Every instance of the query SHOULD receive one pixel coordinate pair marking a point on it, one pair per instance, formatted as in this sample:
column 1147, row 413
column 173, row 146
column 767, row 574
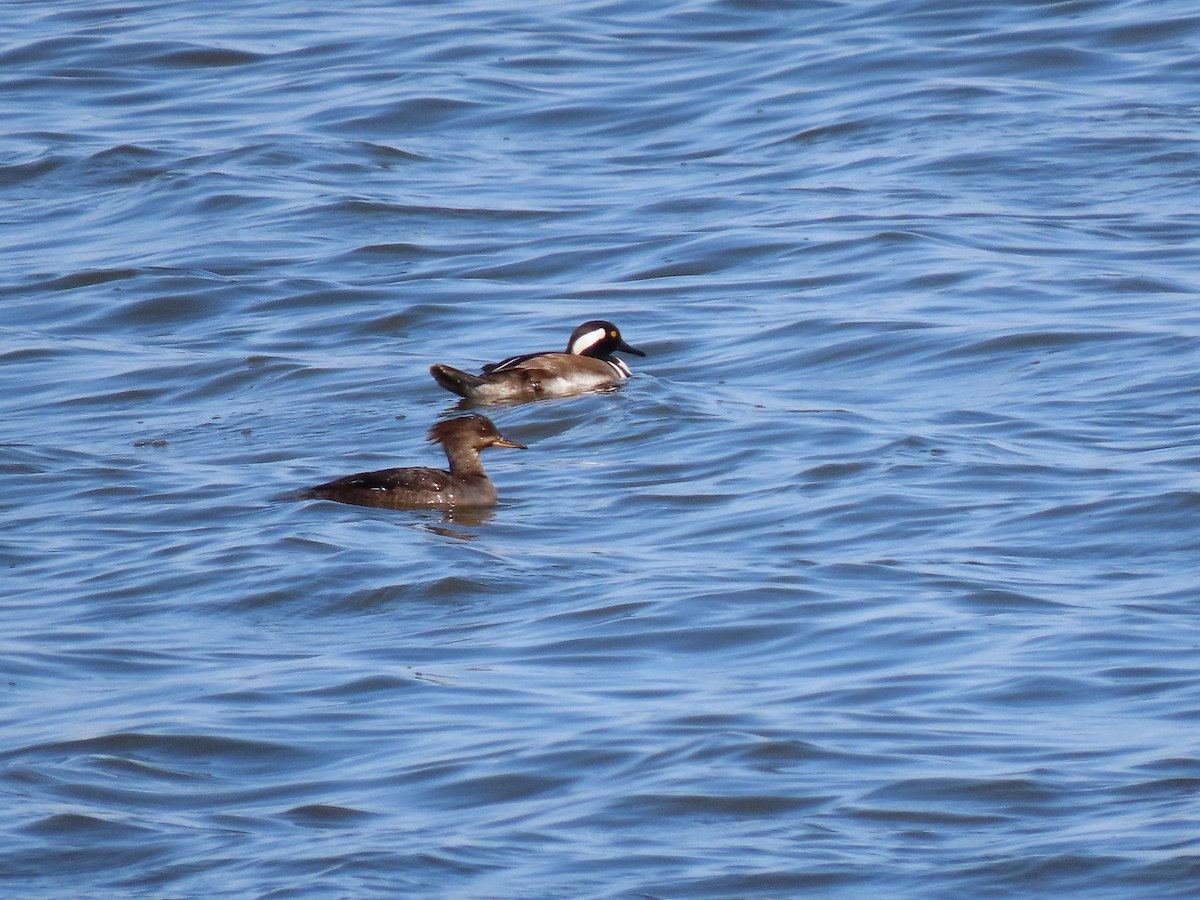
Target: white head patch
column 588, row 340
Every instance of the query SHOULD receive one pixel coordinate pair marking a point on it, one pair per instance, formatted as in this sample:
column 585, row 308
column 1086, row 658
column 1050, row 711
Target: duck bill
column 505, row 442
column 634, row 350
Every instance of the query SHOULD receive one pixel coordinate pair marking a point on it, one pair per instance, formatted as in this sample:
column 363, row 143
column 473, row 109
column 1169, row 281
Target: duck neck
column 464, row 462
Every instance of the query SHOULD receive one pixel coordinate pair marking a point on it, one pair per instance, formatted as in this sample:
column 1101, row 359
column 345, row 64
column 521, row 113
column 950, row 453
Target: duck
column 587, row 364
column 465, row 485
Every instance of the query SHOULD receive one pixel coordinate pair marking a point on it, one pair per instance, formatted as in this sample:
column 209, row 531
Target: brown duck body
column 543, row 375
column 410, row 488
column 464, row 485
column 586, row 365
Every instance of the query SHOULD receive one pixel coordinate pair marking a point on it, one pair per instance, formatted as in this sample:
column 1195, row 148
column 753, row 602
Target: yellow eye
column 612, row 334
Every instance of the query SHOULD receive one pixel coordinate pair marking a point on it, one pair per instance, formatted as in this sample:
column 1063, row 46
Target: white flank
column 586, row 341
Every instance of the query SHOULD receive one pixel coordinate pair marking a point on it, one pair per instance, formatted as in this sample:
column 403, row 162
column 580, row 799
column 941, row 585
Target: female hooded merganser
column 587, row 364
column 465, row 485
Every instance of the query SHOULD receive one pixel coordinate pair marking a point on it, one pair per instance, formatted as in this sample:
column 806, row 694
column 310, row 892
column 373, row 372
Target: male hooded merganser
column 465, row 485
column 587, row 364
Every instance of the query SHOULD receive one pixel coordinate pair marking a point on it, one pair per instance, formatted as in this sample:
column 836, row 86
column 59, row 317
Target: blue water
column 879, row 578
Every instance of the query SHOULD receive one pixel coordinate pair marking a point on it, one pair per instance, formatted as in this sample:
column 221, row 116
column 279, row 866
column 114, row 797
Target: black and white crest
column 599, row 339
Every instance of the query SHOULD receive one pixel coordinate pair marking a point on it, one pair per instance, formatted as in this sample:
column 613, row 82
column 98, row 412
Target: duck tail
column 455, row 380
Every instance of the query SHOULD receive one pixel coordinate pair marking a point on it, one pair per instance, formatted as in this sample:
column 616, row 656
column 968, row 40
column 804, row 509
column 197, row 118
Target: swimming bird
column 586, row 365
column 465, row 485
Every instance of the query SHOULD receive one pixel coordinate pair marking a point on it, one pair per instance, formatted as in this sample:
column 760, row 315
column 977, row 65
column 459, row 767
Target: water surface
column 879, row 576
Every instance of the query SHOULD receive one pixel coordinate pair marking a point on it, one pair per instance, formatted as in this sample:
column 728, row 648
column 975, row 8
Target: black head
column 599, row 339
column 473, row 431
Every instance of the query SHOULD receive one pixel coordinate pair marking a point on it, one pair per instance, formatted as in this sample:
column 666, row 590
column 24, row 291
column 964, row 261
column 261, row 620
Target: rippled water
column 880, row 575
